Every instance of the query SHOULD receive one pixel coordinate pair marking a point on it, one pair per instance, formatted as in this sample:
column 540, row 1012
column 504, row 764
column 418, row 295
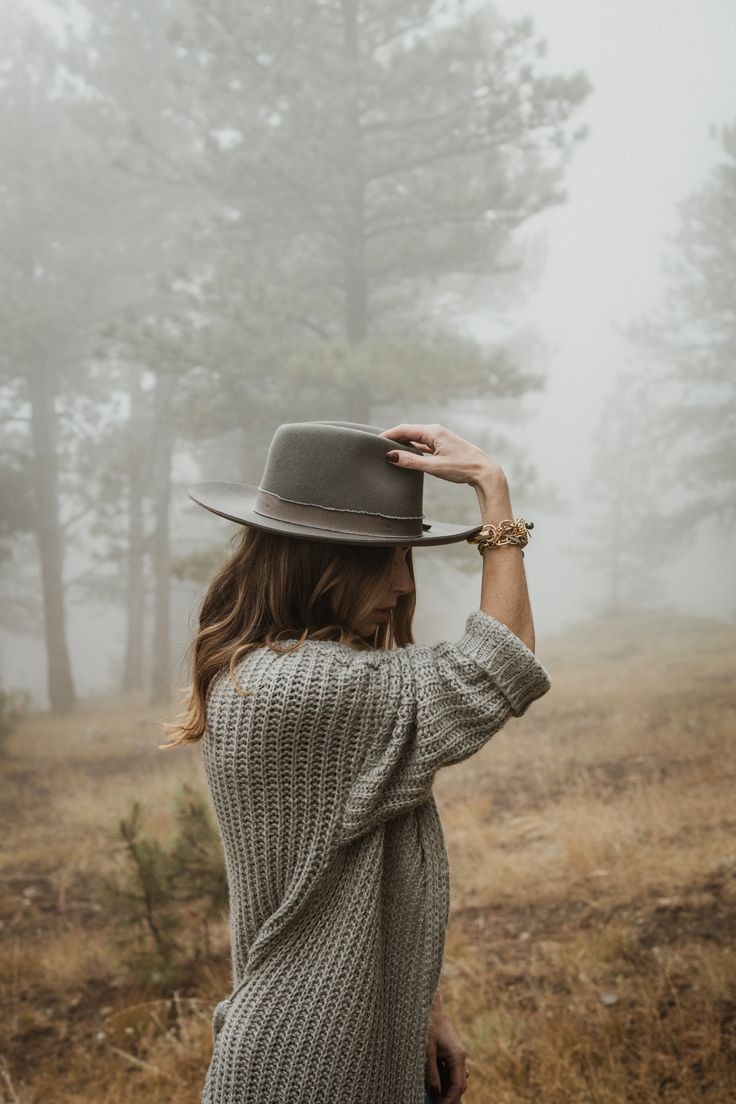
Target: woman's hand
column 446, row 455
column 444, row 1043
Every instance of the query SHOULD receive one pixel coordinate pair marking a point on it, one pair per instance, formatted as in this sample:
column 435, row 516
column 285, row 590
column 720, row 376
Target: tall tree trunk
column 135, row 589
column 48, row 535
column 163, row 433
column 355, row 271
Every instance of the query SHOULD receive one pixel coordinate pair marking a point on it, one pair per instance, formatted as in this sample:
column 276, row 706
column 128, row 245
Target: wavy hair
column 274, row 587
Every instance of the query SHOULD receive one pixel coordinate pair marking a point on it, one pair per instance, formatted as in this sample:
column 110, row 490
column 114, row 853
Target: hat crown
column 331, row 481
column 342, row 466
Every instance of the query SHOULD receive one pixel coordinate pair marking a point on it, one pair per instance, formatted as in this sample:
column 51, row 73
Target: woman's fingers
column 413, row 434
column 455, row 1064
column 439, row 452
column 422, row 437
column 425, row 461
column 432, row 1078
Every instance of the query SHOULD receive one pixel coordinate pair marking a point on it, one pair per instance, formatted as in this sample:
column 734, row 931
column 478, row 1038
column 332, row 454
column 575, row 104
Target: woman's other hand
column 444, row 1043
column 446, row 455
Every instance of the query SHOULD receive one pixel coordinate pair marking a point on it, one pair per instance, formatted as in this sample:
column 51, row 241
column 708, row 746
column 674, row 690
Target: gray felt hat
column 330, row 481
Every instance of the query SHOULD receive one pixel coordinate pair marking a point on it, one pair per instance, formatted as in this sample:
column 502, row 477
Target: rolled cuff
column 514, row 668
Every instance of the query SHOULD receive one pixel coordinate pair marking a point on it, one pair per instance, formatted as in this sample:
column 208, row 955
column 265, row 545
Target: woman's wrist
column 494, row 499
column 487, row 476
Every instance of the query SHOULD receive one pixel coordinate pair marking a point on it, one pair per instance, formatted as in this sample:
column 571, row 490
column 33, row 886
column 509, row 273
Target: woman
column 323, row 727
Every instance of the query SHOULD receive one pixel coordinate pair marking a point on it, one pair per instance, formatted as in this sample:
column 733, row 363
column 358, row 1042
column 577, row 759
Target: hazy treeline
column 219, row 217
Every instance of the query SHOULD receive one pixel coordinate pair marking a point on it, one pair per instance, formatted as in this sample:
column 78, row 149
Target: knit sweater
column 335, row 857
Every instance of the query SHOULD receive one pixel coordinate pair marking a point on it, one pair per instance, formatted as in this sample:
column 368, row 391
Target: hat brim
column 235, row 501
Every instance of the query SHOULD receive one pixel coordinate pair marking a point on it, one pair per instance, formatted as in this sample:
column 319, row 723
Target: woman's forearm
column 504, row 593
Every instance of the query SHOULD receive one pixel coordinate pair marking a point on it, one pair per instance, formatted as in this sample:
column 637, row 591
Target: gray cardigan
column 336, row 862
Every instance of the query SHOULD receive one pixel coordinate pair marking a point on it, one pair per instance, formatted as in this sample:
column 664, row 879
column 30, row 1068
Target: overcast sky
column 662, row 74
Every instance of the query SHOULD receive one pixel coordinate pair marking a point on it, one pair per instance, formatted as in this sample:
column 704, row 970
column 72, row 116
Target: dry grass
column 590, row 957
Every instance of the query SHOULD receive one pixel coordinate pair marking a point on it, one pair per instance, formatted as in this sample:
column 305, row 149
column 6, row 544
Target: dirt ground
column 590, row 956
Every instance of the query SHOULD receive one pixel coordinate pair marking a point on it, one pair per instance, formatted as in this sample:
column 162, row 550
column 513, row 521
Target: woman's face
column 399, row 582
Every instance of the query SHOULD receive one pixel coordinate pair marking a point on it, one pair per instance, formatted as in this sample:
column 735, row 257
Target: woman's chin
column 368, row 629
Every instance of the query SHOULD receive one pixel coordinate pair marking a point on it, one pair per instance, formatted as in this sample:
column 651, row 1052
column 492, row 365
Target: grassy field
column 590, row 957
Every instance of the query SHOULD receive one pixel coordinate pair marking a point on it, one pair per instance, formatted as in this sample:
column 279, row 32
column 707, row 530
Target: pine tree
column 691, row 346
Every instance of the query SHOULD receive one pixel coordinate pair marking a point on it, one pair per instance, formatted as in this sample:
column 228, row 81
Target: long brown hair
column 273, row 587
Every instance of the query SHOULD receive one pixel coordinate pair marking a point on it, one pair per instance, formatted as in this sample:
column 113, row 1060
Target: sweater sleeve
column 428, row 706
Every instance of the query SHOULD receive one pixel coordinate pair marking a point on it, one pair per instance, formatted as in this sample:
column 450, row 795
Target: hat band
column 339, row 521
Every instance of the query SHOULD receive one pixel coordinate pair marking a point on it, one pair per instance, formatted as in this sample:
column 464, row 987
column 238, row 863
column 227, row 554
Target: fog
column 182, row 273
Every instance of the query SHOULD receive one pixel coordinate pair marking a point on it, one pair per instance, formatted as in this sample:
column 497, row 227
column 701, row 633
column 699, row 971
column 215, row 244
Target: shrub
column 159, row 880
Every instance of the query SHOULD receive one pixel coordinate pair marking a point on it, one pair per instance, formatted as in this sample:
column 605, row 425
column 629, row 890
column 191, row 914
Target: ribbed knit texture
column 336, row 862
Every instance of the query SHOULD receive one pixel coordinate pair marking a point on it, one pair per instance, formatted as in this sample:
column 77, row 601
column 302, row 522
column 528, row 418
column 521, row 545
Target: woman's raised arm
column 504, row 593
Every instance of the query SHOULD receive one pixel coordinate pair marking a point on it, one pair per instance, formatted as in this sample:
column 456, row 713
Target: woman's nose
column 403, row 583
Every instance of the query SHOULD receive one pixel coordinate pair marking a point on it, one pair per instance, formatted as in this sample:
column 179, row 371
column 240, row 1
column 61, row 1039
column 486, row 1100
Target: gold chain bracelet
column 506, row 532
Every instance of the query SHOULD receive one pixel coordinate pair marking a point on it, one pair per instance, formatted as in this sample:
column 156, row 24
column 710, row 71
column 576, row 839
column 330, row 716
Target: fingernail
column 393, row 457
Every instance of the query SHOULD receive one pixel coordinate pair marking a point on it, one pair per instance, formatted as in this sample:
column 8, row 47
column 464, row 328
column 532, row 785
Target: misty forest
column 220, row 217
